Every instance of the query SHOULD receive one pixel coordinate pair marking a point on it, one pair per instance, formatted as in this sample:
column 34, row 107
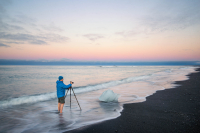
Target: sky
column 100, row 30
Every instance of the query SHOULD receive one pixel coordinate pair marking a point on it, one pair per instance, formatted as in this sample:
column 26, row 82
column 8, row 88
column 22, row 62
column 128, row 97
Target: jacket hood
column 59, row 81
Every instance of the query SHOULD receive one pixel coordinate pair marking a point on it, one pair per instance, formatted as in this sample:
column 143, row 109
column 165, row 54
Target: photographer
column 61, row 92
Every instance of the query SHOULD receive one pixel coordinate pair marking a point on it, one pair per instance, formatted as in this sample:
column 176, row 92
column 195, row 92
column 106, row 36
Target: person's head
column 60, row 78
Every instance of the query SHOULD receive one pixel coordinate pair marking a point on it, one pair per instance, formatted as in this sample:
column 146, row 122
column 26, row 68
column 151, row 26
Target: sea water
column 28, row 101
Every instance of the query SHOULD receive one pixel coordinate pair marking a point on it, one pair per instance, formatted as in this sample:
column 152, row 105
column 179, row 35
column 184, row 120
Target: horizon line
column 112, row 63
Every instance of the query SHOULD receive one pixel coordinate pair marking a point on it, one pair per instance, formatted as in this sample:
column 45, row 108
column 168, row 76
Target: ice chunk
column 109, row 96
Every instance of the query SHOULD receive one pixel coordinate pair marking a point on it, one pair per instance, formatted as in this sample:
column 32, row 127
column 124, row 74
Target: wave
column 168, row 70
column 52, row 95
column 109, row 84
column 108, row 66
column 28, row 99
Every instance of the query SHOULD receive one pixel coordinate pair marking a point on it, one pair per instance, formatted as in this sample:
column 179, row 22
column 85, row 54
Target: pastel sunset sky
column 100, row 30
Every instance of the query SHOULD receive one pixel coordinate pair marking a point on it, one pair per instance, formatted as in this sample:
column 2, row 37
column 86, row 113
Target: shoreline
column 170, row 110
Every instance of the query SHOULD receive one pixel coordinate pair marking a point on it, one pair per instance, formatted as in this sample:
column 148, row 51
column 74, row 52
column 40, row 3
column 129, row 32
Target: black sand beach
column 168, row 111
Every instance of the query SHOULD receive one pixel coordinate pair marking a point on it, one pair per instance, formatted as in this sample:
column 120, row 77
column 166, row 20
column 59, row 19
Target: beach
column 167, row 111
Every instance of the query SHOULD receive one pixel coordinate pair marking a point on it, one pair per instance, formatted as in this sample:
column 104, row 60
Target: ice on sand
column 109, row 96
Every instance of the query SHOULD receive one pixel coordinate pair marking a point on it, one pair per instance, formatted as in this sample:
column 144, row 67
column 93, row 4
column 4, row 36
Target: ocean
column 28, row 101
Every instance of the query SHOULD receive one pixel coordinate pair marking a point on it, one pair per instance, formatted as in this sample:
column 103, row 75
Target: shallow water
column 28, row 100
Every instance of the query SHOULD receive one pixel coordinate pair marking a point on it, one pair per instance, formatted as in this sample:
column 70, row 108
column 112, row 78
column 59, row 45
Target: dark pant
column 61, row 100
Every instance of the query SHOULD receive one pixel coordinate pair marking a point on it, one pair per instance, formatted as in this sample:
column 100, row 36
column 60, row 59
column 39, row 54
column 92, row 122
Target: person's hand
column 70, row 82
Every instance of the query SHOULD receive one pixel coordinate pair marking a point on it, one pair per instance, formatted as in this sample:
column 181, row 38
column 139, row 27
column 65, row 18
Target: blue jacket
column 61, row 88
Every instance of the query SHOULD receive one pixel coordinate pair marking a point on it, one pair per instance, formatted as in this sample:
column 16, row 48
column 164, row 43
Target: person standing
column 61, row 87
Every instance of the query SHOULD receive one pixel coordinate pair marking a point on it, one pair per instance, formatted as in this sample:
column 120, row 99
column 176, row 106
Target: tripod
column 70, row 96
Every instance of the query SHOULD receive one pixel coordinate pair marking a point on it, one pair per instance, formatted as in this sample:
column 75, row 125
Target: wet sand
column 167, row 111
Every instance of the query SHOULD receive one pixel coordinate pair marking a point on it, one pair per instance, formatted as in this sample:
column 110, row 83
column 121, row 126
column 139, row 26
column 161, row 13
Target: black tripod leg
column 76, row 98
column 70, row 97
column 66, row 93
